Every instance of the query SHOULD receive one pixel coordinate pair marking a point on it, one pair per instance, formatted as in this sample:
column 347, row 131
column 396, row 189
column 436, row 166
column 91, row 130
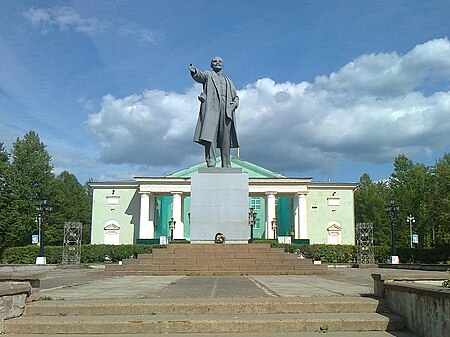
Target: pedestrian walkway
column 277, row 334
column 82, row 289
column 71, row 284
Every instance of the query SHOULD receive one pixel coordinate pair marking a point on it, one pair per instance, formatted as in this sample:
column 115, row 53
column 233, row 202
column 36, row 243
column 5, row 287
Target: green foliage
column 5, row 196
column 410, row 185
column 326, row 253
column 423, row 192
column 381, row 253
column 370, row 202
column 336, row 253
column 439, row 200
column 72, row 204
column 89, row 253
column 26, row 179
column 31, row 180
column 440, row 254
column 273, row 243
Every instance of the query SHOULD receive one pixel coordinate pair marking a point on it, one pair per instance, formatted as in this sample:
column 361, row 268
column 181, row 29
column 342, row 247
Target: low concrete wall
column 13, row 296
column 426, row 308
column 416, row 266
column 32, row 277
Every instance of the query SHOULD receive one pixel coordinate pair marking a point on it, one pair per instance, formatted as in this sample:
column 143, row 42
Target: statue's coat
column 208, row 118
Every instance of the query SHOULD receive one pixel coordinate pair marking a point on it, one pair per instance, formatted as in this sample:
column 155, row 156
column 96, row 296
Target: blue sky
column 328, row 89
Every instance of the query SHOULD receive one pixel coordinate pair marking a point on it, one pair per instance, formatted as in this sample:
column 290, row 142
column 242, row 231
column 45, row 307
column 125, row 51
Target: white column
column 151, row 215
column 302, row 216
column 178, row 232
column 147, row 216
column 270, row 213
column 296, row 217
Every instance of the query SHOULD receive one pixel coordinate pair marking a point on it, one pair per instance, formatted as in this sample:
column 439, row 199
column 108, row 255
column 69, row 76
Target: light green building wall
column 125, row 213
column 321, row 213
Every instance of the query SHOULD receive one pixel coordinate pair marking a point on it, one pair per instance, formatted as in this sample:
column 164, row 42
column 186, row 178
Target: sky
column 328, row 89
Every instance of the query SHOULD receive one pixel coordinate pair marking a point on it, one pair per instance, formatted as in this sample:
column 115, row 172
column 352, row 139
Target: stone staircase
column 217, row 259
column 235, row 317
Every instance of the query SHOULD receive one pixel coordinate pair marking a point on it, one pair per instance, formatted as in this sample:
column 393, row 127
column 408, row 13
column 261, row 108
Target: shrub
column 273, row 243
column 440, row 254
column 326, row 253
column 89, row 253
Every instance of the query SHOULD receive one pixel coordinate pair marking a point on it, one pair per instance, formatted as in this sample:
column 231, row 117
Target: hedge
column 326, row 253
column 439, row 254
column 89, row 253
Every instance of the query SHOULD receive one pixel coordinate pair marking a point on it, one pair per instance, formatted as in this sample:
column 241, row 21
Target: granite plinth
column 219, row 204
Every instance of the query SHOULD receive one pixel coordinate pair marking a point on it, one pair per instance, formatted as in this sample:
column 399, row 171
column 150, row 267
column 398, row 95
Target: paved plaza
column 76, row 283
column 85, row 284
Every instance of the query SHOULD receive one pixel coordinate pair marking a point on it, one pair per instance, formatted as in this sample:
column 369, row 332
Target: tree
column 370, row 203
column 5, row 196
column 31, row 183
column 438, row 202
column 72, row 204
column 410, row 185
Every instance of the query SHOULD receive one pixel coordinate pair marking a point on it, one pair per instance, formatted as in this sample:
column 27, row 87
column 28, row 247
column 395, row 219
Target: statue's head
column 216, row 64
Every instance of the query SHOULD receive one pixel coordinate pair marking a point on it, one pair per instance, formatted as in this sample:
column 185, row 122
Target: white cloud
column 87, row 105
column 154, row 128
column 63, row 18
column 391, row 75
column 368, row 111
column 67, row 18
column 141, row 35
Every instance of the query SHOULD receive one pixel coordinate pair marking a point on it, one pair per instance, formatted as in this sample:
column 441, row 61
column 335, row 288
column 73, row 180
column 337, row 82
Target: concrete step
column 249, row 334
column 222, row 256
column 231, row 265
column 213, row 248
column 216, row 259
column 205, row 259
column 164, row 271
column 162, row 324
column 228, row 306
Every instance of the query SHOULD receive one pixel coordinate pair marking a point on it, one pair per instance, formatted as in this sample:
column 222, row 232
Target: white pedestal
column 41, row 260
column 395, row 259
column 219, row 204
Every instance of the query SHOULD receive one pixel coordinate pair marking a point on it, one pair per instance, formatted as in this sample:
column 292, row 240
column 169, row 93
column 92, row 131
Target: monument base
column 394, row 259
column 219, row 204
column 41, row 260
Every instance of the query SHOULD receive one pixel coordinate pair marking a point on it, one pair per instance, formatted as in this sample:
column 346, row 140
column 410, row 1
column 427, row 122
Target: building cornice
column 257, row 186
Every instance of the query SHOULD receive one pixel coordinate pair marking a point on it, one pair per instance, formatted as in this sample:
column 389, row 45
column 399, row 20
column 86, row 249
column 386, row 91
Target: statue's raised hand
column 192, row 69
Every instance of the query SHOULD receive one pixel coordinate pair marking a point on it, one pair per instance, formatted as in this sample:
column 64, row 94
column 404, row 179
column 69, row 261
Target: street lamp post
column 252, row 220
column 391, row 213
column 172, row 223
column 410, row 219
column 274, row 228
column 42, row 209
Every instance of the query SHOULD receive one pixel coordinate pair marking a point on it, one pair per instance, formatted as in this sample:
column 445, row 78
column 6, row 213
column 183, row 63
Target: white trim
column 177, row 206
column 111, row 233
column 334, row 233
column 271, row 213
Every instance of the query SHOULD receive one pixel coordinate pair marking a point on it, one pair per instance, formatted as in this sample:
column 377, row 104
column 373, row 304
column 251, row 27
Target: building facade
column 154, row 209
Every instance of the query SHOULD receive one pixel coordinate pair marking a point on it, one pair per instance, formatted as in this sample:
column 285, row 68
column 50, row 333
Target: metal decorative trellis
column 364, row 243
column 72, row 243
